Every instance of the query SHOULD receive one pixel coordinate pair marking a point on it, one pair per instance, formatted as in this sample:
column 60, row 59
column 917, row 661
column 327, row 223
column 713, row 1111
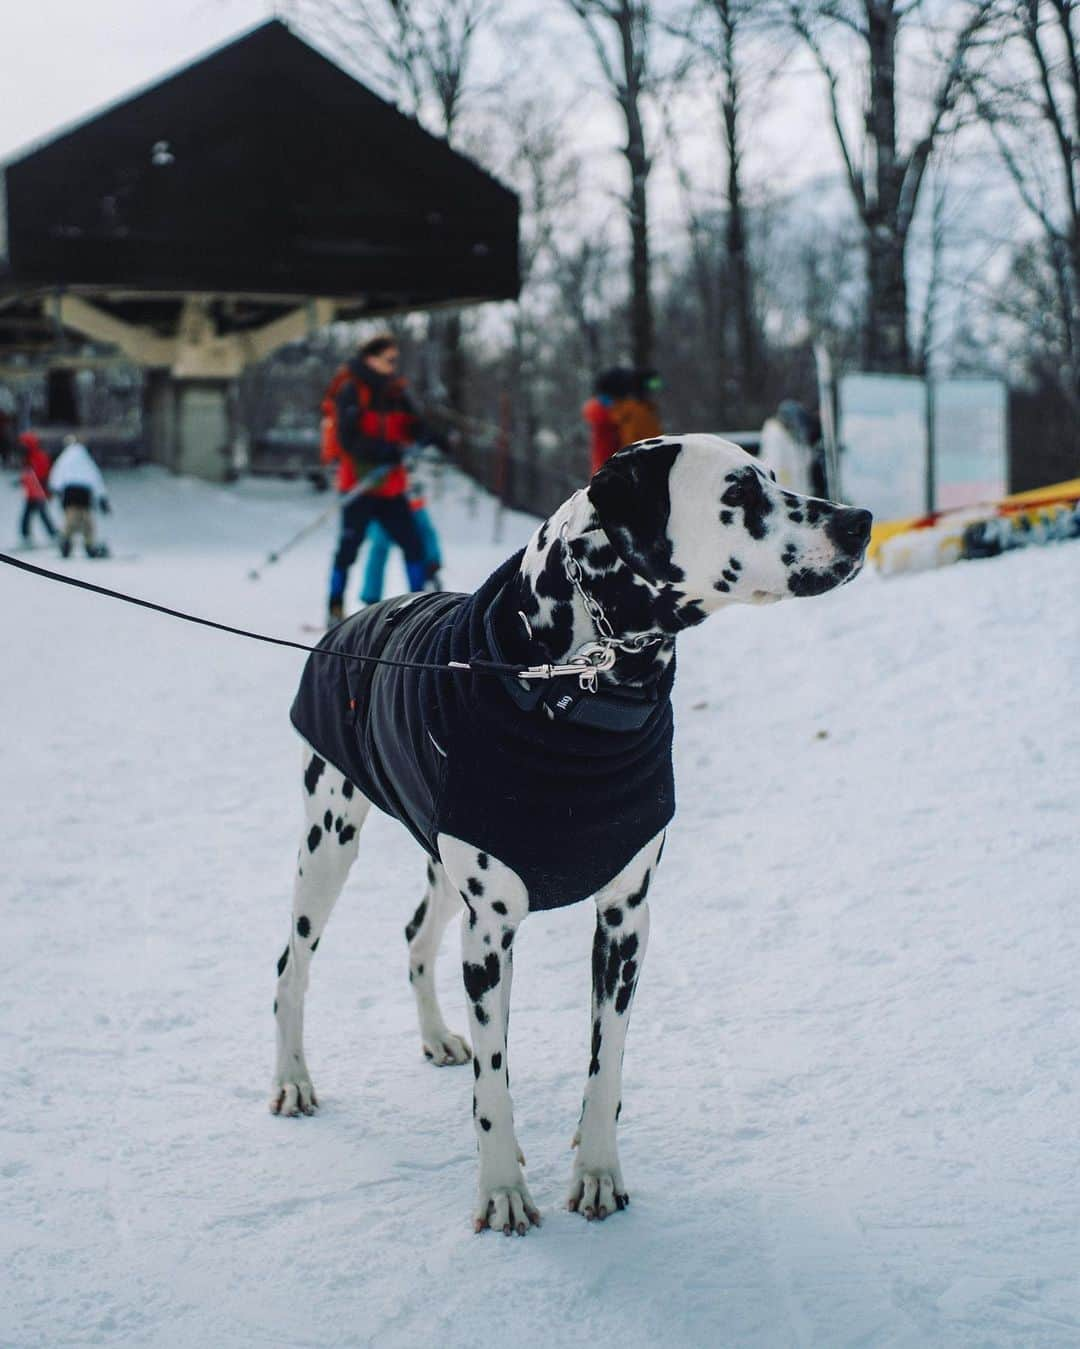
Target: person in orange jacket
column 597, row 412
column 634, row 414
column 34, row 480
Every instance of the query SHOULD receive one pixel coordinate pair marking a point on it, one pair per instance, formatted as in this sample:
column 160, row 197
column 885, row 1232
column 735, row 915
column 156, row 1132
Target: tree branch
column 801, row 26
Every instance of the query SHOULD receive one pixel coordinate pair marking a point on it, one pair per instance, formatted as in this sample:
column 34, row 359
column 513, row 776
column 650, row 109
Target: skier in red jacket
column 34, row 480
column 368, row 421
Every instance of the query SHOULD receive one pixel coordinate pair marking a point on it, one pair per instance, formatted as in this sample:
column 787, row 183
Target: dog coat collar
column 624, row 709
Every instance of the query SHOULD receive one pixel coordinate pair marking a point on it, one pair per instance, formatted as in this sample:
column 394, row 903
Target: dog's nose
column 849, row 529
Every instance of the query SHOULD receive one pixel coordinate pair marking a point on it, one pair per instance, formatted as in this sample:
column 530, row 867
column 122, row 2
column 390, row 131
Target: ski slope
column 852, row 1082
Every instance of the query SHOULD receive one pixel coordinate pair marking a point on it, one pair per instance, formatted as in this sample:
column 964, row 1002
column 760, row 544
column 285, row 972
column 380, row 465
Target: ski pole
column 364, row 485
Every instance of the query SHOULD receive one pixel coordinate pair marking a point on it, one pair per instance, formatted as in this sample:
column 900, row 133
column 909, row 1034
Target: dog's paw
column 445, row 1049
column 597, row 1194
column 293, row 1098
column 507, row 1209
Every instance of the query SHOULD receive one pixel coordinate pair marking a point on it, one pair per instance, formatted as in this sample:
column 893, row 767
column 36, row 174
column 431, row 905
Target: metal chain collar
column 599, row 655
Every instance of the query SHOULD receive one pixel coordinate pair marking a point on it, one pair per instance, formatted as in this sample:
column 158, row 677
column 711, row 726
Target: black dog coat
column 565, row 802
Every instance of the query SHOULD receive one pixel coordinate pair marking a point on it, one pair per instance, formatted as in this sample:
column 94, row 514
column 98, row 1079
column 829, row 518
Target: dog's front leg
column 496, row 903
column 622, row 934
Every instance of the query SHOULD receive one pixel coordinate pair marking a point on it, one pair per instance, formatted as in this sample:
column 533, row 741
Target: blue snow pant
column 379, row 552
column 30, row 509
column 396, row 518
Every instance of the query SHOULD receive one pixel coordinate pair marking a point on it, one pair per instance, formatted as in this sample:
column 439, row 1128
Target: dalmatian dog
column 532, row 792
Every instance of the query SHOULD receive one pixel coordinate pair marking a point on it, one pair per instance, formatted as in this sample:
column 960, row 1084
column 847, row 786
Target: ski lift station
column 239, row 204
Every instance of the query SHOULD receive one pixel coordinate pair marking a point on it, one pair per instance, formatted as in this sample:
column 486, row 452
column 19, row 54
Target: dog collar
column 624, row 709
column 595, row 609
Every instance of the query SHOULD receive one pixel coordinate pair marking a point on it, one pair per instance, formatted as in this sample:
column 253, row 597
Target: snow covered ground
column 853, row 1073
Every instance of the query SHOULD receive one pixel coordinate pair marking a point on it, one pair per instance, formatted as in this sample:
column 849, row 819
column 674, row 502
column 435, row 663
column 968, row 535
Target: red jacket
column 367, row 419
column 603, row 433
column 36, row 466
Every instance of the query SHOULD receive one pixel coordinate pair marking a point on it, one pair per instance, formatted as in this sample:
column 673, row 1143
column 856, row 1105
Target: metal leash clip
column 588, row 663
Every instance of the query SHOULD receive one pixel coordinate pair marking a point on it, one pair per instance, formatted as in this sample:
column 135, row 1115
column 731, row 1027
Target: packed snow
column 853, row 1072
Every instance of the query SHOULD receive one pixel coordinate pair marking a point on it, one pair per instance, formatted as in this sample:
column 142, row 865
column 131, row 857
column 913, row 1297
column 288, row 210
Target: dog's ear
column 632, row 496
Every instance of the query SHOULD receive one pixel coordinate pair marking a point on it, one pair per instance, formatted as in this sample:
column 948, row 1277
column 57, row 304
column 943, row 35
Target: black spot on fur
column 347, row 833
column 632, row 496
column 347, row 789
column 499, row 906
column 507, row 940
column 313, row 838
column 414, row 924
column 734, row 564
column 663, row 845
column 479, row 1013
column 481, row 979
column 808, row 582
column 602, row 557
column 722, row 586
column 729, row 576
column 303, row 926
column 315, row 945
column 626, row 991
column 475, row 887
column 430, row 872
column 636, row 898
column 746, row 493
column 726, row 517
column 613, row 916
column 485, row 1124
column 594, row 1061
column 496, row 1062
column 796, row 517
column 328, row 821
column 313, row 773
column 552, row 583
column 337, row 824
column 482, row 860
column 476, row 1068
column 618, row 1110
column 283, row 962
column 542, row 537
column 275, row 1006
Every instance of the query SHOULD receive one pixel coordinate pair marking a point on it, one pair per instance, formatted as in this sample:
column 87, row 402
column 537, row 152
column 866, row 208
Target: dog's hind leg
column 622, row 933
column 424, row 934
column 497, row 902
column 334, row 812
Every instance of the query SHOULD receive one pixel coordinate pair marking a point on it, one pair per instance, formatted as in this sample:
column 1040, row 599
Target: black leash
column 453, row 667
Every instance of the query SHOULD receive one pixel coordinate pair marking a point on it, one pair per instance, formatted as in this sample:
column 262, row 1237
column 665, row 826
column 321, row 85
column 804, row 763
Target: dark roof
column 261, row 171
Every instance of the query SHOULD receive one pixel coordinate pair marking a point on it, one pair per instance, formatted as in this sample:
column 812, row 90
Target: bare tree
column 422, row 53
column 885, row 179
column 715, row 28
column 1031, row 105
column 622, row 33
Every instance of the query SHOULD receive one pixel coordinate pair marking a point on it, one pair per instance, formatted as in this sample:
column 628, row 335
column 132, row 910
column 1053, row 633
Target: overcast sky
column 65, row 58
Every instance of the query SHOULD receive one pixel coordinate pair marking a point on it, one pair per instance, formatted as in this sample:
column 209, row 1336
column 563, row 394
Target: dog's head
column 701, row 515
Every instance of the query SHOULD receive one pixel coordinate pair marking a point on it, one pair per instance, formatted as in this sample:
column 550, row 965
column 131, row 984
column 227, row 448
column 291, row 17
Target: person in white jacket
column 77, row 481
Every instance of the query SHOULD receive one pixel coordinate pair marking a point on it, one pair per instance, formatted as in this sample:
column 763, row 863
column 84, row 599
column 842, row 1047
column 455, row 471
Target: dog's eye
column 735, row 494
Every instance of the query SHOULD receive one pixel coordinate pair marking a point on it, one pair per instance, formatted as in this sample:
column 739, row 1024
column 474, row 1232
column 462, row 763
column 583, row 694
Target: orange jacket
column 635, row 419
